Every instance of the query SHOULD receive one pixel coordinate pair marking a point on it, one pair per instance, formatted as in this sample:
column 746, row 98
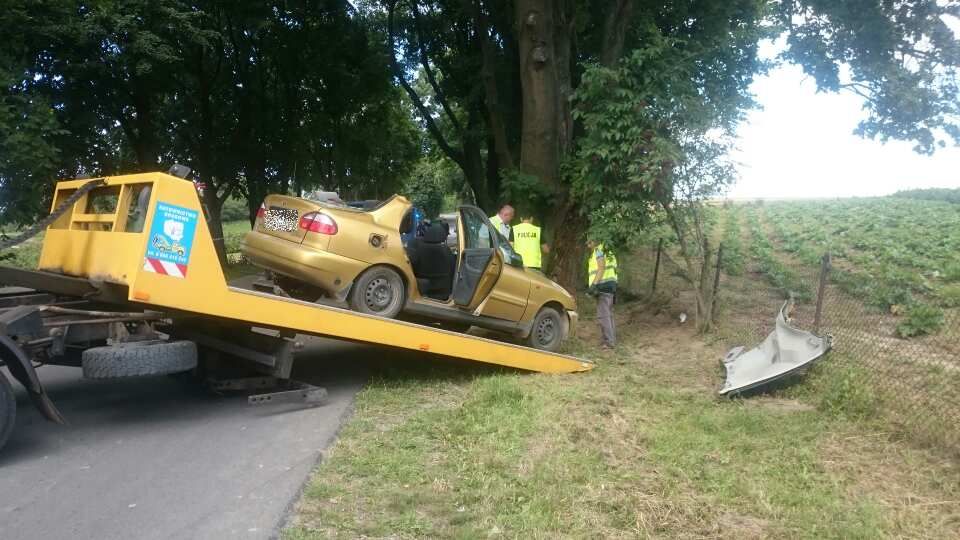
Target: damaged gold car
column 360, row 256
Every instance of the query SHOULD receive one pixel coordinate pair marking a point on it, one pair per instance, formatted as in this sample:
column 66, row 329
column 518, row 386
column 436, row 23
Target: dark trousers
column 605, row 318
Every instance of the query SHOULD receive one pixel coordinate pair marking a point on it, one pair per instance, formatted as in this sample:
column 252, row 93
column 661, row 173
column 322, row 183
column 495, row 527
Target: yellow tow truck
column 129, row 284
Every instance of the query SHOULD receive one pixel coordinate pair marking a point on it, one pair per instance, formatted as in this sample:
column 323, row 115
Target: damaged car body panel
column 785, row 351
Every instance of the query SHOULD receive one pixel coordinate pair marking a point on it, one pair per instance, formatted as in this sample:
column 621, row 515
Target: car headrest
column 436, row 233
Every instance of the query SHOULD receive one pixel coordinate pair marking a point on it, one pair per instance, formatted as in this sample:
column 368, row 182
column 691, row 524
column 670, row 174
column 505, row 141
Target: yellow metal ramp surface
column 107, row 239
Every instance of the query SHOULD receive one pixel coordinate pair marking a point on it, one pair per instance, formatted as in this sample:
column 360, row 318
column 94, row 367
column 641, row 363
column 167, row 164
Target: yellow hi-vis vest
column 526, row 242
column 609, row 266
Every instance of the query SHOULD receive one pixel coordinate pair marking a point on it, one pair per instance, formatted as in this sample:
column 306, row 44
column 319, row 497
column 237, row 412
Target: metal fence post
column 656, row 268
column 824, row 272
column 716, row 282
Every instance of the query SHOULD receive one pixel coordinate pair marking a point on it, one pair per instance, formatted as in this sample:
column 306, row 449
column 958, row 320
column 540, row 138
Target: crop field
column 900, row 257
column 892, row 252
column 892, row 300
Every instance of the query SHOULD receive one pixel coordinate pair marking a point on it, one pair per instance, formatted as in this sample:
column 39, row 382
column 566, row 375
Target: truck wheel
column 548, row 330
column 8, row 409
column 378, row 291
column 139, row 359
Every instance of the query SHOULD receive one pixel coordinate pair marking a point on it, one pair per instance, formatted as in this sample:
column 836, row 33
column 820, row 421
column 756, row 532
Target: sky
column 801, row 145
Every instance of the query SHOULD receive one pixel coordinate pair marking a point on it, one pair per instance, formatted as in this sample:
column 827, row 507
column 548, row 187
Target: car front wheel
column 548, row 330
column 378, row 291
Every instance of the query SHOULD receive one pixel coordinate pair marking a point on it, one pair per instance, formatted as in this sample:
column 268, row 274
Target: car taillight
column 318, row 223
column 261, row 211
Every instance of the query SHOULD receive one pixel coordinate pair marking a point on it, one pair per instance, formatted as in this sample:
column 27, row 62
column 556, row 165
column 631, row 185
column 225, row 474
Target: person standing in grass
column 602, row 282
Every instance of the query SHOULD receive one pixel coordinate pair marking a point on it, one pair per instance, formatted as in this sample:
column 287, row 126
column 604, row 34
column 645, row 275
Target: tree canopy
column 590, row 111
column 254, row 96
column 589, row 115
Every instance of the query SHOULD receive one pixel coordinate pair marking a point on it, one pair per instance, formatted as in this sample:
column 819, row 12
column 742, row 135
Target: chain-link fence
column 905, row 348
column 894, row 353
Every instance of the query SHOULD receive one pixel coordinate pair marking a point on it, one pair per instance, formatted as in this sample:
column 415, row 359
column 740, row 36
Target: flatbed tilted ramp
column 120, row 249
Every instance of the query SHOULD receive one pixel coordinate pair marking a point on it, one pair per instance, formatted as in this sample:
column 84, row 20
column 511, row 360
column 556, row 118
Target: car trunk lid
column 280, row 217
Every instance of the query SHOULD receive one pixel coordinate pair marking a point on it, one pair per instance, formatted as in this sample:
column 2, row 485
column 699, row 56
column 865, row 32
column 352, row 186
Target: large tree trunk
column 472, row 165
column 546, row 59
column 568, row 251
column 540, row 145
column 615, row 31
column 545, row 36
column 213, row 207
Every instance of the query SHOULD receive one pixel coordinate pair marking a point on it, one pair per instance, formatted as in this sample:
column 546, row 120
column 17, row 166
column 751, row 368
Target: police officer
column 602, row 280
column 501, row 222
column 526, row 242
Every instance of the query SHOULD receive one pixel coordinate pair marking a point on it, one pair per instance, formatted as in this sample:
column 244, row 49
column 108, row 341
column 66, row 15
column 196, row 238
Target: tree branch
column 432, row 127
column 492, row 95
column 615, row 32
column 428, row 71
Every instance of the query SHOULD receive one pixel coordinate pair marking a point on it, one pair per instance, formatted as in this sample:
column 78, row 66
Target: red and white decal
column 164, row 267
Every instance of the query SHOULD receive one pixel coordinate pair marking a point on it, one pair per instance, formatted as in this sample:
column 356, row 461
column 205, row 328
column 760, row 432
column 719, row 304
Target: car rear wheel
column 378, row 291
column 548, row 330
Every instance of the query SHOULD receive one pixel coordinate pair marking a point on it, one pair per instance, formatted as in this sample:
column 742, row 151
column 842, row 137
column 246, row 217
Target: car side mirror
column 516, row 260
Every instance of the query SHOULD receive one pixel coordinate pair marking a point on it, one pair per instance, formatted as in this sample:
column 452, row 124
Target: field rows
column 899, row 256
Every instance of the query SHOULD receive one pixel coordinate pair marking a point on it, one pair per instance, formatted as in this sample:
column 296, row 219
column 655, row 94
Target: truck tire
column 8, row 409
column 139, row 359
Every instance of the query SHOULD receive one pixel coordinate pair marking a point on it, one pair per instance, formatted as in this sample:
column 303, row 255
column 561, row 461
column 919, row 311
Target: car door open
column 479, row 264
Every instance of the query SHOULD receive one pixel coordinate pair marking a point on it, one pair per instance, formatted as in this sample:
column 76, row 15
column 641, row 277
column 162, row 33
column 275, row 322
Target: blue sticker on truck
column 171, row 240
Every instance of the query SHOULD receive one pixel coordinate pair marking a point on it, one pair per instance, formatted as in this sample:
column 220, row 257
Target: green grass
column 640, row 447
column 786, row 280
column 233, row 233
column 25, row 255
column 765, row 465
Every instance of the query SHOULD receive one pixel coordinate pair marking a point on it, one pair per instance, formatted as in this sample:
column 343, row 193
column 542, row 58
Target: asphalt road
column 159, row 458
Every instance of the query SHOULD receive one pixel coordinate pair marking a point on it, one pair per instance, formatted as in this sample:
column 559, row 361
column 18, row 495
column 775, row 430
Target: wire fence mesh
column 897, row 354
column 908, row 355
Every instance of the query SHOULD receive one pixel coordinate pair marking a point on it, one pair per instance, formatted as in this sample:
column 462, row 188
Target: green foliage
column 949, row 295
column 844, row 389
column 734, row 260
column 951, row 272
column 526, row 193
column 921, row 320
column 256, row 97
column 234, row 209
column 656, row 133
column 781, row 277
column 930, row 194
column 429, row 185
column 888, row 251
column 29, row 157
column 903, row 57
column 233, row 233
column 25, row 255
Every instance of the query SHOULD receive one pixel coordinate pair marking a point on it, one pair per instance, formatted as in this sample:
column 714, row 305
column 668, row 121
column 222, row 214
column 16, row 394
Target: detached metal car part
column 787, row 350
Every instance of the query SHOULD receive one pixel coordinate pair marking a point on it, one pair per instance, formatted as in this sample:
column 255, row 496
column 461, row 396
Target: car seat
column 433, row 263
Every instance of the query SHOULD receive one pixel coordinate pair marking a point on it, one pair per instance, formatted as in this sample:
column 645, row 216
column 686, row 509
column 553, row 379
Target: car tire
column 378, row 291
column 548, row 330
column 139, row 359
column 8, row 409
